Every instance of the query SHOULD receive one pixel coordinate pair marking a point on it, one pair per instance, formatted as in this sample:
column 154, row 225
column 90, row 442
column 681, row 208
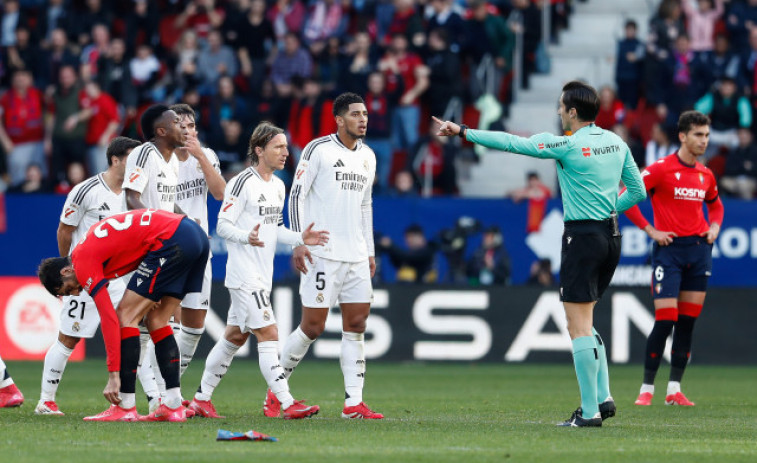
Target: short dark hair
column 343, row 102
column 583, row 97
column 690, row 119
column 263, row 133
column 183, row 109
column 149, row 117
column 414, row 229
column 631, row 23
column 49, row 273
column 120, row 147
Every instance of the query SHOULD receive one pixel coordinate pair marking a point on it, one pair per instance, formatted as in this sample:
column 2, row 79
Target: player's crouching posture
column 169, row 253
column 251, row 222
column 10, row 396
column 332, row 188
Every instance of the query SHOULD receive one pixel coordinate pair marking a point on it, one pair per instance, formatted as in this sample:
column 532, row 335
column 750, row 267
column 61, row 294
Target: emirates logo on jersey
column 586, row 151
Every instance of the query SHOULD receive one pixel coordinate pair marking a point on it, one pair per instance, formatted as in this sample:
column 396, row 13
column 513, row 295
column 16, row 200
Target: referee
column 591, row 162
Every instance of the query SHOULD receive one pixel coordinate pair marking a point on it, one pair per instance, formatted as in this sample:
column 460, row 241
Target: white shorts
column 200, row 300
column 330, row 281
column 250, row 309
column 78, row 315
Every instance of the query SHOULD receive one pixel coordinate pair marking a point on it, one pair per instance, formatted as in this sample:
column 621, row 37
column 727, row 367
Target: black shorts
column 176, row 268
column 683, row 265
column 590, row 253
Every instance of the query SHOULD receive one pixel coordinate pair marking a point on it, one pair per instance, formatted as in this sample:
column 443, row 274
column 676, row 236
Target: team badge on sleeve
column 135, row 175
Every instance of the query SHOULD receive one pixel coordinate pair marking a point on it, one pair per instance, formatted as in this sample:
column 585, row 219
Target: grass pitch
column 438, row 413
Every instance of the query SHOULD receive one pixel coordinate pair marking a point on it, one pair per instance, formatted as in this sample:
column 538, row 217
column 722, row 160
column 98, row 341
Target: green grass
column 436, row 413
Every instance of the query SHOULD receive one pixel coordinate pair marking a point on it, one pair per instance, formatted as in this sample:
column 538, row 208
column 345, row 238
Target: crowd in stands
column 76, row 73
column 697, row 55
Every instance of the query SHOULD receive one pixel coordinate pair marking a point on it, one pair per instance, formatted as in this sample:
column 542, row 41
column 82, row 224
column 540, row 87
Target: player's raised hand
column 253, row 237
column 315, row 237
column 299, row 255
column 192, row 147
column 662, row 238
column 446, row 128
column 712, row 234
column 111, row 391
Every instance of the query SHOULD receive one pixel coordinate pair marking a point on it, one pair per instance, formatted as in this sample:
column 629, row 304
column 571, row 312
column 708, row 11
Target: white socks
column 4, row 382
column 144, row 369
column 187, row 340
column 295, row 347
column 268, row 358
column 128, row 400
column 352, row 359
column 172, row 397
column 674, row 387
column 216, row 366
column 52, row 371
column 647, row 388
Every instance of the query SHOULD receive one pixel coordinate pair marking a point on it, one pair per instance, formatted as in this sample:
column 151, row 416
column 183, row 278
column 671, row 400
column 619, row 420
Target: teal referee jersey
column 590, row 165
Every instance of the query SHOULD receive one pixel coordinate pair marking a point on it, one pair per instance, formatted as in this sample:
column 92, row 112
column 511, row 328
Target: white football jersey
column 192, row 188
column 249, row 200
column 88, row 203
column 148, row 173
column 333, row 188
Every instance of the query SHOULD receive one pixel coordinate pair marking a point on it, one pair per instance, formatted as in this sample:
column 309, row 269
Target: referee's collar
column 590, row 126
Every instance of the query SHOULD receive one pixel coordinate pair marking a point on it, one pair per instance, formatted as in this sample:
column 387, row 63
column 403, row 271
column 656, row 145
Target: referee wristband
column 463, row 129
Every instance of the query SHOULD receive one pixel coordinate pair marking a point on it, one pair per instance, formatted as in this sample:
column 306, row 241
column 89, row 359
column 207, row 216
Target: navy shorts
column 590, row 253
column 177, row 268
column 683, row 265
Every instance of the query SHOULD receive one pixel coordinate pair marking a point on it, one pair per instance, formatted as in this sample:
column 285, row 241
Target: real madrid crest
column 76, row 327
column 266, row 316
column 319, row 298
column 365, row 164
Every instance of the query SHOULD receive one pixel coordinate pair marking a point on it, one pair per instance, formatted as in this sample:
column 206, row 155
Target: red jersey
column 22, row 116
column 677, row 191
column 112, row 248
column 104, row 111
column 407, row 65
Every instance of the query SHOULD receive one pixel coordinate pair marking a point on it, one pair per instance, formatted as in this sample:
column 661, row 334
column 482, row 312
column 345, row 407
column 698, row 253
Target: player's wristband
column 463, row 129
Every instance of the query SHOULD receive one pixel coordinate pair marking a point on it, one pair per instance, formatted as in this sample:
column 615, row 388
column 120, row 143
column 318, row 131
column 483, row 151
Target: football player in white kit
column 332, row 188
column 251, row 222
column 88, row 202
column 199, row 173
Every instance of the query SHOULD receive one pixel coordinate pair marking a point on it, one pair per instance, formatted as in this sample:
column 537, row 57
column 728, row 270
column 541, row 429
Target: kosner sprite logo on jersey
column 688, row 193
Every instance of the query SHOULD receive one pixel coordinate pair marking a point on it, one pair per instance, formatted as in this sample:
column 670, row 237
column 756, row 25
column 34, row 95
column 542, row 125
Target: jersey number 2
column 144, row 220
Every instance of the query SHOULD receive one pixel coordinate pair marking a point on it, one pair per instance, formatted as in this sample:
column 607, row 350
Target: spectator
column 51, row 60
column 611, row 110
column 323, row 21
column 444, row 73
column 660, row 144
column 739, row 21
column 721, row 63
column 490, row 263
column 268, row 107
column 232, row 148
column 728, row 112
column 415, row 263
column 359, row 62
column 404, row 68
column 541, row 274
column 100, row 111
column 33, row 182
column 406, row 22
column 537, row 195
column 142, row 26
column 629, row 66
column 686, row 80
column 664, row 29
column 75, row 174
column 257, row 42
column 286, row 16
column 311, row 115
column 145, row 72
column 749, row 65
column 740, row 176
column 225, row 106
column 22, row 129
column 201, row 16
column 65, row 130
column 10, row 21
column 22, row 55
column 292, row 61
column 446, row 18
column 213, row 62
column 433, row 163
column 54, row 15
column 187, row 53
column 404, row 185
column 380, row 105
column 526, row 18
column 92, row 52
column 94, row 13
column 328, row 65
column 114, row 76
column 701, row 22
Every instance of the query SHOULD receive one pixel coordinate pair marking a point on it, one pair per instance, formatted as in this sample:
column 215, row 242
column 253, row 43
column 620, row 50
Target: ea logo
column 31, row 318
